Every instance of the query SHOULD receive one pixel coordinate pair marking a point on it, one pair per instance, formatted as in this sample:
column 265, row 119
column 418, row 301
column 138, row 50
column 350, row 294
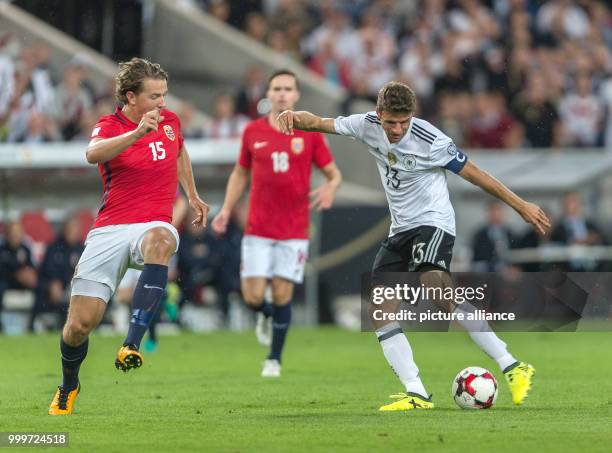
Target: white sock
column 398, row 353
column 481, row 333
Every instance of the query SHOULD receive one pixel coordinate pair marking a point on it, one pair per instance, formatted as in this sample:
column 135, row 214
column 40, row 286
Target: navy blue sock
column 147, row 295
column 153, row 325
column 280, row 325
column 266, row 308
column 72, row 357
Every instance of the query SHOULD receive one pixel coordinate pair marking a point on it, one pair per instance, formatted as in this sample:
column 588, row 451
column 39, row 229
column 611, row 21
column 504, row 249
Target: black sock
column 149, row 291
column 266, row 308
column 72, row 357
column 280, row 325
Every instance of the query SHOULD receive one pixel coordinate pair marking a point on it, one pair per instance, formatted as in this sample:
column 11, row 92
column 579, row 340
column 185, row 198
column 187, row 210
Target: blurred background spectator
column 55, row 273
column 491, row 242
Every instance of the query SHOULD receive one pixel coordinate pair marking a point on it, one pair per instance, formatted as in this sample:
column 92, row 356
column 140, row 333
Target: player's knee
column 253, row 299
column 159, row 244
column 77, row 329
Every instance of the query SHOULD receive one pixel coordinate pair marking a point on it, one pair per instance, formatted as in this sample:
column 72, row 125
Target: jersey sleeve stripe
column 372, row 119
column 418, row 134
column 424, row 131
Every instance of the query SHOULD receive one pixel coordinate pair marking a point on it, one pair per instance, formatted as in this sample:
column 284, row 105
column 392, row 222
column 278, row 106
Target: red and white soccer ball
column 475, row 388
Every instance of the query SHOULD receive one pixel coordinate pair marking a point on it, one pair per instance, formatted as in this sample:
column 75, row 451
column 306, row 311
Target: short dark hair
column 281, row 72
column 132, row 74
column 397, row 98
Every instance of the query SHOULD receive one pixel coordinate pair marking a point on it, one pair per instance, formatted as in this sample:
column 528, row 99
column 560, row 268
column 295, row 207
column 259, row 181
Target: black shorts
column 409, row 250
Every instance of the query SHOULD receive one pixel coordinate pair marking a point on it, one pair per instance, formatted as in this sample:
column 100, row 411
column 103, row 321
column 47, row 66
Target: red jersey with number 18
column 280, row 178
column 140, row 183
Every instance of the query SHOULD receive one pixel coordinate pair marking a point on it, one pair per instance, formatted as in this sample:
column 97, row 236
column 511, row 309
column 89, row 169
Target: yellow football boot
column 63, row 401
column 128, row 357
column 519, row 377
column 408, row 402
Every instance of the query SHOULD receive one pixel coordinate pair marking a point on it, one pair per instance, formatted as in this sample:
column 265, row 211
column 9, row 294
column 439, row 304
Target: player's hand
column 286, row 120
column 219, row 223
column 201, row 210
column 533, row 214
column 148, row 123
column 322, row 197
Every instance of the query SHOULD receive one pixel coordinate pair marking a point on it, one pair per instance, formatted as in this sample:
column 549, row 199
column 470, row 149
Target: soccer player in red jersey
column 141, row 156
column 275, row 245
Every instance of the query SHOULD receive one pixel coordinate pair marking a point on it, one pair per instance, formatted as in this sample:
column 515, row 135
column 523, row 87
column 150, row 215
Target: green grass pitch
column 204, row 393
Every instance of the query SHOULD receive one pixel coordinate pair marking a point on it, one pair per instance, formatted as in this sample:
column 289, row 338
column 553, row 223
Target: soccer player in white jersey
column 412, row 158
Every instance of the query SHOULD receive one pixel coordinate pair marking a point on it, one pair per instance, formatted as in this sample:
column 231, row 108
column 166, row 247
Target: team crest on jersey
column 392, row 158
column 169, row 132
column 451, row 149
column 409, row 161
column 297, row 145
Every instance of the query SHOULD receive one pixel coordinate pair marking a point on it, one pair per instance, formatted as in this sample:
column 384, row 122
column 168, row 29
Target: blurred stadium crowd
column 491, row 74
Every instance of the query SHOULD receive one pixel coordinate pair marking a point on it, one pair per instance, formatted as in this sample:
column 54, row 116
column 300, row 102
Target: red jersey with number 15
column 140, row 183
column 280, row 178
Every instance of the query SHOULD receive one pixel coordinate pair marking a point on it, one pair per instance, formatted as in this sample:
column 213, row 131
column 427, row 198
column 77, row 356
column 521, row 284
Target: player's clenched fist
column 148, row 123
column 285, row 121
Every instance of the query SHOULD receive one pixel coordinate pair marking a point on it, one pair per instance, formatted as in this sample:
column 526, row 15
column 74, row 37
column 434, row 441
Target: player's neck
column 272, row 120
column 131, row 114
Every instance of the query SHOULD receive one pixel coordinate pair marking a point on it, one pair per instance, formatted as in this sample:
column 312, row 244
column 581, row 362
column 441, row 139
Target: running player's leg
column 282, row 293
column 438, row 247
column 157, row 247
column 100, row 268
column 255, row 272
column 84, row 315
column 395, row 345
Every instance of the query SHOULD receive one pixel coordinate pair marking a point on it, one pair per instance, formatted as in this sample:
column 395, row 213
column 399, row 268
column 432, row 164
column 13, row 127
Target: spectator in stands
column 574, row 228
column 256, row 27
column 17, row 270
column 252, row 92
column 73, row 101
column 537, row 113
column 335, row 27
column 219, row 9
column 492, row 241
column 226, row 122
column 329, row 66
column 454, row 111
column 189, row 127
column 581, row 114
column 56, row 271
column 491, row 125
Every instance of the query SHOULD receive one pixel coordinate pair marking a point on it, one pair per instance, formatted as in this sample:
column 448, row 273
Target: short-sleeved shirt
column 412, row 171
column 280, row 178
column 140, row 183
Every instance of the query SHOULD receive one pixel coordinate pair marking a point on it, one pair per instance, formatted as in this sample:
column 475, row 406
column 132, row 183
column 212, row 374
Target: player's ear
column 131, row 97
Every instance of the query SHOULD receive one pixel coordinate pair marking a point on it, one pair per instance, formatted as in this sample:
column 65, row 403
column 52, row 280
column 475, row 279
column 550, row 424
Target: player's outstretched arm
column 323, row 197
column 530, row 212
column 185, row 177
column 305, row 121
column 235, row 188
column 104, row 149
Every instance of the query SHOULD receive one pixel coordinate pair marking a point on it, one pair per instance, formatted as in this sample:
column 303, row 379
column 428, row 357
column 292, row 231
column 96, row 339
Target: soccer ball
column 474, row 388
